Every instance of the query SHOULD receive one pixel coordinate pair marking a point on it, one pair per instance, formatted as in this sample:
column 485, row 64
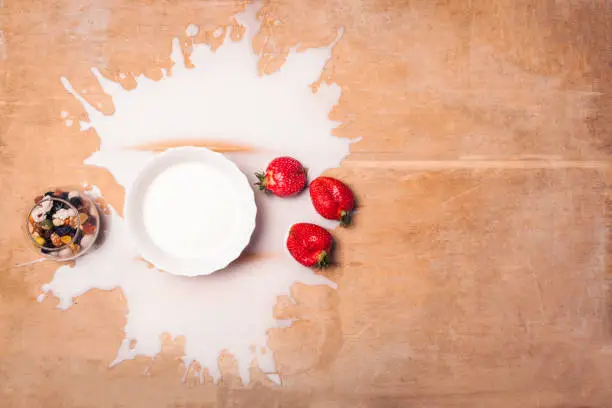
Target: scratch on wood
column 461, row 194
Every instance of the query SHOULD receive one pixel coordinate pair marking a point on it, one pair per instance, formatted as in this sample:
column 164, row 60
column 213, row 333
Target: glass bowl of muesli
column 63, row 224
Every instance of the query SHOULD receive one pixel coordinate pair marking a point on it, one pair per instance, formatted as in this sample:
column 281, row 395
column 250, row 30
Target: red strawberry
column 332, row 199
column 309, row 244
column 284, row 177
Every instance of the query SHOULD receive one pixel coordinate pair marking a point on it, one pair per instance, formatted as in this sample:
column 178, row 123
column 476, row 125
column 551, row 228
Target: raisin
column 58, row 205
column 76, row 201
column 64, row 230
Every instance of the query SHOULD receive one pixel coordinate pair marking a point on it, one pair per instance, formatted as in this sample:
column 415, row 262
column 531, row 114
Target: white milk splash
column 222, row 99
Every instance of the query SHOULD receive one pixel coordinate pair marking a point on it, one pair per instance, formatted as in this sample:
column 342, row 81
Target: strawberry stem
column 322, row 261
column 345, row 218
column 262, row 184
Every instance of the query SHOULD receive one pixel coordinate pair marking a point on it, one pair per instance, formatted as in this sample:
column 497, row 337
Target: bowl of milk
column 190, row 211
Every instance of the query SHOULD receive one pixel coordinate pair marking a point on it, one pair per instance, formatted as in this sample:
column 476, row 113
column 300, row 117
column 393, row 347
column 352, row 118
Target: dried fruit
column 40, row 212
column 46, row 224
column 89, row 229
column 37, row 229
column 332, row 199
column 76, row 201
column 284, row 176
column 56, row 240
column 58, row 206
column 46, row 203
column 40, row 240
column 309, row 244
column 84, row 206
column 73, row 222
column 37, row 215
column 65, row 213
column 60, row 194
column 64, row 230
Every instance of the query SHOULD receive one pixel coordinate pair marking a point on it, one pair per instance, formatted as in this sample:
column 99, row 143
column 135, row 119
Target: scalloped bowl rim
column 213, row 260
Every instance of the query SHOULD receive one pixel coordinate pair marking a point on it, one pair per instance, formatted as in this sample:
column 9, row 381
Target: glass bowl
column 63, row 224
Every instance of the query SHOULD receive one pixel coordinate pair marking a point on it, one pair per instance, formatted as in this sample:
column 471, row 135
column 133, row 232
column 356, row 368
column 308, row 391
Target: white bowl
column 191, row 211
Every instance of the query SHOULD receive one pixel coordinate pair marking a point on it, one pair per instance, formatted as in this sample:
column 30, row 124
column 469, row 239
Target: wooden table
column 476, row 272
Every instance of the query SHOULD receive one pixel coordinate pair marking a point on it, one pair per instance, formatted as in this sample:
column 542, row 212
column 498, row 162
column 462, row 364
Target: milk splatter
column 222, row 99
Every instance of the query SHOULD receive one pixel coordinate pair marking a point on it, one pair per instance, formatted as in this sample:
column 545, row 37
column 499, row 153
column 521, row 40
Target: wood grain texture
column 475, row 274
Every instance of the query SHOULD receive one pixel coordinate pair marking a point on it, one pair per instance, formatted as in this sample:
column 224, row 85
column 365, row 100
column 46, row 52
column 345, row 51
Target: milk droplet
column 192, row 30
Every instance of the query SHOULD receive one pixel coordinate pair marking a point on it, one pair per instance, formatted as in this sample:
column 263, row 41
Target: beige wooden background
column 475, row 275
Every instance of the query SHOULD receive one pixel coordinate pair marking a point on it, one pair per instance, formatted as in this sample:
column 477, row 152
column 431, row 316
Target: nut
column 56, row 239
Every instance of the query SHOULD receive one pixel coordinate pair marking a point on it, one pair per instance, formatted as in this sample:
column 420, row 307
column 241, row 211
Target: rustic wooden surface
column 476, row 273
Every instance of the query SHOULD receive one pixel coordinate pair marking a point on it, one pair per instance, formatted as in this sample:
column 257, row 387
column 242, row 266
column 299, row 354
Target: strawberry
column 309, row 244
column 284, row 177
column 332, row 199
